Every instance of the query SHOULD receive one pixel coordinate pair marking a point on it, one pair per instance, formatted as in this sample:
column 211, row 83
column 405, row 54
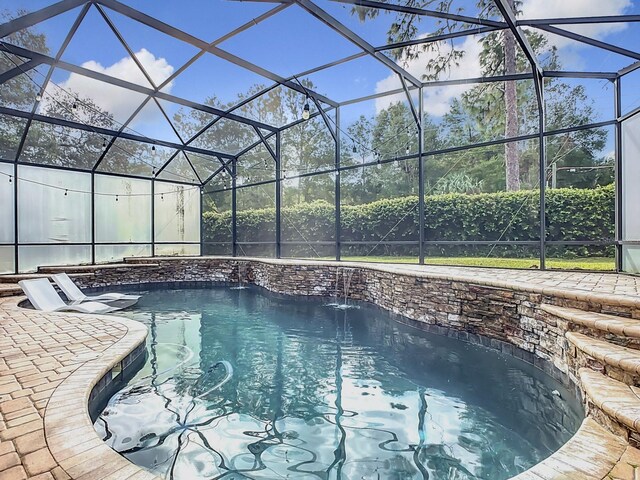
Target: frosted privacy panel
column 6, row 259
column 32, row 257
column 115, row 253
column 631, row 192
column 6, row 203
column 54, row 206
column 170, row 250
column 127, row 219
column 631, row 258
column 177, row 213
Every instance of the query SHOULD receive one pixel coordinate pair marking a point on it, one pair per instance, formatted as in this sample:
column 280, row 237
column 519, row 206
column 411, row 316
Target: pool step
column 608, row 354
column 593, row 453
column 612, row 324
column 618, row 400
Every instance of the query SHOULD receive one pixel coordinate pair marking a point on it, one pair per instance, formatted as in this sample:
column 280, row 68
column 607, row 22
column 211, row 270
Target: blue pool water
column 240, row 384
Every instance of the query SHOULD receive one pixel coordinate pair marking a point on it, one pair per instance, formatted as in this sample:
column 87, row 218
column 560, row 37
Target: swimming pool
column 240, row 384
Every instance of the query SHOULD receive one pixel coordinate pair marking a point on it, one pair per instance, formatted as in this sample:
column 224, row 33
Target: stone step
column 11, row 278
column 621, row 326
column 9, row 283
column 627, row 359
column 618, row 400
column 9, row 289
column 93, row 268
column 146, row 260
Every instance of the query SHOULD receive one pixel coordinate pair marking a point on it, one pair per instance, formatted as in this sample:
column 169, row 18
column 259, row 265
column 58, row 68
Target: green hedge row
column 572, row 214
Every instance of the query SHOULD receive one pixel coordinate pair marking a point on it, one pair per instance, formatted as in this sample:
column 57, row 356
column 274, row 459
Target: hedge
column 571, row 214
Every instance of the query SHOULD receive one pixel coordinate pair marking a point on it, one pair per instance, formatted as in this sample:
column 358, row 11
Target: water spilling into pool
column 240, row 384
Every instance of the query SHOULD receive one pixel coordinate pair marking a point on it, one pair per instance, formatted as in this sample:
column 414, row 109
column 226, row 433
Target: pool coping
column 592, row 453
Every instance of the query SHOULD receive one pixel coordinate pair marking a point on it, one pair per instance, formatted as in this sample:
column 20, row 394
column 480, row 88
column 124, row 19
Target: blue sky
column 293, row 41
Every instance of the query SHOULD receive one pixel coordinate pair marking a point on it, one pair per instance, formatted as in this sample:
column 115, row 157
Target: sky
column 291, row 42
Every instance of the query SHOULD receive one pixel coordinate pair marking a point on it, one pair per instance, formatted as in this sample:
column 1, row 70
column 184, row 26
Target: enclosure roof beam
column 266, row 144
column 578, row 74
column 590, row 41
column 15, row 71
column 107, row 132
column 128, row 85
column 201, row 44
column 510, row 17
column 221, row 39
column 628, row 69
column 253, row 145
column 220, row 169
column 334, row 24
column 440, row 83
column 438, row 38
column 167, row 162
column 335, row 63
column 121, row 129
column 311, row 71
column 424, row 12
column 33, row 18
column 126, row 46
column 464, row 81
column 108, row 174
column 414, row 112
column 578, row 20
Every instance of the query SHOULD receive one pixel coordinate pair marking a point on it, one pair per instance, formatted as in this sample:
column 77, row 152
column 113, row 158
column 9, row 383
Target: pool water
column 241, row 384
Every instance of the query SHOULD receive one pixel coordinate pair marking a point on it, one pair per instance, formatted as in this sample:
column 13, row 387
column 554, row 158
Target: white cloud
column 577, row 8
column 437, row 99
column 119, row 102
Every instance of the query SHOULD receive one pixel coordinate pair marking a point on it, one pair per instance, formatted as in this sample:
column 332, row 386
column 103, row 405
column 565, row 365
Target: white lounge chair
column 75, row 295
column 44, row 297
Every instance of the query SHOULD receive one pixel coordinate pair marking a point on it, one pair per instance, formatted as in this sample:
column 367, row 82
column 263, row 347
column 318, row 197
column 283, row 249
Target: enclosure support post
column 15, row 217
column 421, row 225
column 337, row 188
column 153, row 217
column 618, row 173
column 234, row 210
column 201, row 225
column 543, row 169
column 278, row 195
column 93, row 218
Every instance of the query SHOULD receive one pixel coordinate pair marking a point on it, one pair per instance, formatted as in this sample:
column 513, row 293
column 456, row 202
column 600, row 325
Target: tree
column 500, row 56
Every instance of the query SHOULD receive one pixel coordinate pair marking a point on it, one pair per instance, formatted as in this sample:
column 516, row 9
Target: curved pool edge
column 593, row 453
column 69, row 431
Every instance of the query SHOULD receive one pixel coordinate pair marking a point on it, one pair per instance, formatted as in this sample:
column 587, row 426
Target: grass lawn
column 592, row 263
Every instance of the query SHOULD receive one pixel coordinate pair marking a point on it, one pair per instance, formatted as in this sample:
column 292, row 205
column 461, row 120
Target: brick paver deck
column 597, row 282
column 43, row 355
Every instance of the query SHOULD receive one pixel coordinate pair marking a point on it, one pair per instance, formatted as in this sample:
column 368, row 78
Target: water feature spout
column 347, row 275
column 341, row 292
column 242, row 277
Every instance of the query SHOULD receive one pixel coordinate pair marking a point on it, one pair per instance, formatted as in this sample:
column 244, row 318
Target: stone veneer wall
column 505, row 319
